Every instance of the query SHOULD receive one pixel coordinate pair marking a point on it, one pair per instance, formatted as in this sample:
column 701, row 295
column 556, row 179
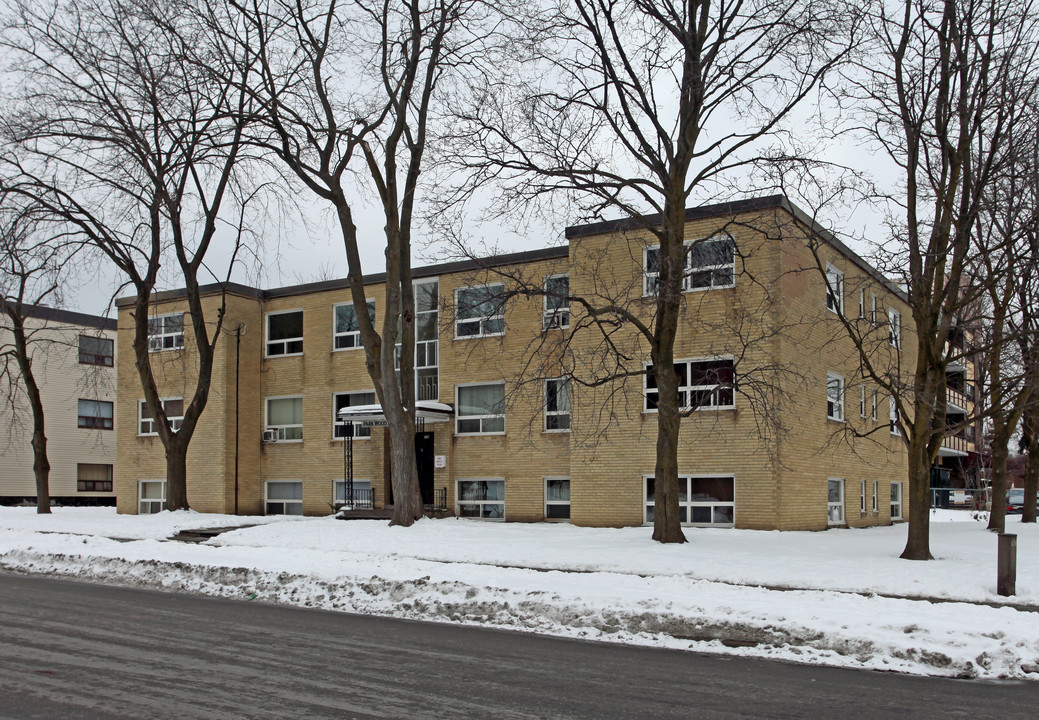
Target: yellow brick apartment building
column 552, row 412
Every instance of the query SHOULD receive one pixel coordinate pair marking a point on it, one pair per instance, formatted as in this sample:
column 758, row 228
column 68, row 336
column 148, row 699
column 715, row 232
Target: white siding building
column 74, row 364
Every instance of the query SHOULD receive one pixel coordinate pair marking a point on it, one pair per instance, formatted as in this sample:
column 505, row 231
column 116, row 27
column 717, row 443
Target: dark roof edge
column 525, row 256
column 735, row 207
column 69, row 317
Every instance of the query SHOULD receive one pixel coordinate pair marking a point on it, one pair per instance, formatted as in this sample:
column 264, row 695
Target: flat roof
column 69, row 317
column 734, row 207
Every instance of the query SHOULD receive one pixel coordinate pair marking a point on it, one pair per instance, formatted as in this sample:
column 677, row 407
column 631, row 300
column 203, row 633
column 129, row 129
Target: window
column 834, row 289
column 875, row 500
column 709, row 264
column 702, row 384
column 862, row 497
column 152, row 496
column 285, row 415
column 862, row 304
column 427, row 340
column 284, row 497
column 480, row 409
column 166, row 332
column 706, row 500
column 345, row 400
column 557, row 404
column 873, row 312
column 896, row 501
column 95, row 414
column 862, row 400
column 557, row 305
column 873, row 406
column 557, row 498
column 347, row 330
column 362, row 493
column 835, row 501
column 893, row 415
column 894, row 328
column 93, row 478
column 285, row 333
column 483, row 499
column 480, row 311
column 834, row 397
column 174, row 408
column 96, row 351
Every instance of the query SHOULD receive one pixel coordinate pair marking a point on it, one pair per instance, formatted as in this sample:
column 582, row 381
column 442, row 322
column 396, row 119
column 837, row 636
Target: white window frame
column 687, row 390
column 896, row 503
column 833, row 507
column 556, row 318
column 862, row 303
column 873, row 312
column 481, row 320
column 862, row 400
column 340, row 483
column 459, row 502
column 358, row 426
column 834, row 289
column 459, row 417
column 175, row 421
column 281, row 428
column 893, row 416
column 862, row 497
column 835, row 406
column 294, row 502
column 564, row 382
column 157, row 341
column 141, row 501
column 876, row 487
column 284, row 342
column 873, row 406
column 650, row 280
column 894, row 325
column 688, row 504
column 557, row 503
column 353, row 337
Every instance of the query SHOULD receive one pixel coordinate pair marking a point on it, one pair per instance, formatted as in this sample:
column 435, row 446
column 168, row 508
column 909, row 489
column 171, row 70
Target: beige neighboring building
column 74, row 363
column 788, row 435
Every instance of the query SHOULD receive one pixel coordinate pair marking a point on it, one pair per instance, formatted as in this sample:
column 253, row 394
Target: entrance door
column 424, row 461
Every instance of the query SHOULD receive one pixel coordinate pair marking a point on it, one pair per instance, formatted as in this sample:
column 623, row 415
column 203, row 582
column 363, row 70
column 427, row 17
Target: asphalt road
column 73, row 650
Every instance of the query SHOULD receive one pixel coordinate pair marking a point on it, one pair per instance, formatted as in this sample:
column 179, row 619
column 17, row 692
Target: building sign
column 440, row 461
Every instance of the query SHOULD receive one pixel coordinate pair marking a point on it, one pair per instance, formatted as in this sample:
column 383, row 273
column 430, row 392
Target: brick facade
column 776, row 441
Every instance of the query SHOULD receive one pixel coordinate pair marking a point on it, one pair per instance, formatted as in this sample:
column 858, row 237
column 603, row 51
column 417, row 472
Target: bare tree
column 30, row 272
column 627, row 108
column 932, row 92
column 124, row 131
column 350, row 91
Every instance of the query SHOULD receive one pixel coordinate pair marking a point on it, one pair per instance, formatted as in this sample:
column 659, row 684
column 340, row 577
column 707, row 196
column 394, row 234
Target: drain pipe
column 239, row 331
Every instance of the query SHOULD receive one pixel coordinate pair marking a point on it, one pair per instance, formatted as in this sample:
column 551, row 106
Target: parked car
column 1016, row 501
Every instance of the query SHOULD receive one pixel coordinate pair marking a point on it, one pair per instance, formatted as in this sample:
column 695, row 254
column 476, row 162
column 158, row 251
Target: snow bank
column 806, row 597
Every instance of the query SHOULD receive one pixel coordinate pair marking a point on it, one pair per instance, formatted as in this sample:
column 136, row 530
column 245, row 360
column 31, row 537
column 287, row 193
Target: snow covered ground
column 840, row 597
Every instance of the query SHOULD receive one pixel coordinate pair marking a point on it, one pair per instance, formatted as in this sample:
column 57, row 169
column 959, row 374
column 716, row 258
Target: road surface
column 73, row 650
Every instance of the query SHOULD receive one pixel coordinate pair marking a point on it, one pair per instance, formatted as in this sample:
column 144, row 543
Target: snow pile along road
column 838, row 598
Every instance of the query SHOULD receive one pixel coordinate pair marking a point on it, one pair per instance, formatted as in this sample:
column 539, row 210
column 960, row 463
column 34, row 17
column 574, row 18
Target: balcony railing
column 360, row 499
column 956, row 442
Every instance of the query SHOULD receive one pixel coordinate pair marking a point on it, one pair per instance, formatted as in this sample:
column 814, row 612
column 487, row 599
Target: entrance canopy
column 426, row 411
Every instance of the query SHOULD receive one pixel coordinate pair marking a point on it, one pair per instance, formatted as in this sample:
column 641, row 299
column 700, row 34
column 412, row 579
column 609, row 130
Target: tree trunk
column 407, row 499
column 918, row 541
column 667, row 524
column 177, row 476
column 1031, row 431
column 41, row 466
column 998, row 512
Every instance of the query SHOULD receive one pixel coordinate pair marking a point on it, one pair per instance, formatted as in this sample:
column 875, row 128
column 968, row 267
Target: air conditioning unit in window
column 270, row 436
